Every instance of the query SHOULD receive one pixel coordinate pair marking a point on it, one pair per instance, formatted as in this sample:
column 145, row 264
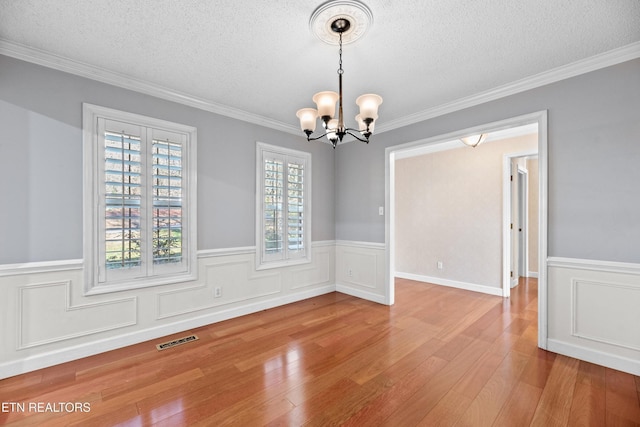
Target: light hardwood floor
column 439, row 356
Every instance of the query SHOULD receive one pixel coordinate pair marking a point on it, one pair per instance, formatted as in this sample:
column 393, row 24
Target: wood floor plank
column 538, row 369
column 351, row 403
column 469, row 315
column 411, row 361
column 620, row 402
column 439, row 356
column 425, row 399
column 404, row 390
column 487, row 319
column 486, row 406
column 471, row 384
column 404, row 343
column 447, row 411
column 556, row 400
column 588, row 407
column 528, row 341
column 519, row 409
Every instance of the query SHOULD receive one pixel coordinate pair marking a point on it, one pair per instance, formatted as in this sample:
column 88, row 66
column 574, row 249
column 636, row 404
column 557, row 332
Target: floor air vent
column 174, row 343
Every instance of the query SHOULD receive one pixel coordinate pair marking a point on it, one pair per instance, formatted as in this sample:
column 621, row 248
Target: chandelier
column 334, row 128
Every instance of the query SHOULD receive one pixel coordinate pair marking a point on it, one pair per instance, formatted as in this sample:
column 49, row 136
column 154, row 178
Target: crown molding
column 60, row 63
column 603, row 60
column 40, row 57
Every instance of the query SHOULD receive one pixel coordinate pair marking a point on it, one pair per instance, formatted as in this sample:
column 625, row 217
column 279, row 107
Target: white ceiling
column 260, row 59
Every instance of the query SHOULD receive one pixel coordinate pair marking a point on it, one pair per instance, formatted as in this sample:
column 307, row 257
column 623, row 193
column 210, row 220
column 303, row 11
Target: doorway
column 443, row 142
column 523, row 221
column 516, row 225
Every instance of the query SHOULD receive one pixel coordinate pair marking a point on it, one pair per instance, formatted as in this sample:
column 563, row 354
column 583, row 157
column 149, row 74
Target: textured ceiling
column 260, row 57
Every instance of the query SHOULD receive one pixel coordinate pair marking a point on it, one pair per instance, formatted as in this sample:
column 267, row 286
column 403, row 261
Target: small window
column 139, row 200
column 283, row 205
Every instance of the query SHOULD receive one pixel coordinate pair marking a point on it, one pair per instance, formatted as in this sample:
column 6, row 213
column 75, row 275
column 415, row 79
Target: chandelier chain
column 340, row 70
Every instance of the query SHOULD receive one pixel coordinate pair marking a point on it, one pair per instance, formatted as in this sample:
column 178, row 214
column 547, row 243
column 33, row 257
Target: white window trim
column 90, row 115
column 261, row 149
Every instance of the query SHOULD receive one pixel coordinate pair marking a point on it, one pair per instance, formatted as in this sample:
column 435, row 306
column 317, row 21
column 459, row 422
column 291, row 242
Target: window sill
column 130, row 285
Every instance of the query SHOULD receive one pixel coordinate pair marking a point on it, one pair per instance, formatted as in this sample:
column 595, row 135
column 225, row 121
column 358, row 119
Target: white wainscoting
column 360, row 270
column 47, row 314
column 47, row 319
column 594, row 312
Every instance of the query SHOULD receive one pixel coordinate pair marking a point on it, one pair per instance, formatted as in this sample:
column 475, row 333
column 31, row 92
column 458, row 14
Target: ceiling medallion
column 358, row 15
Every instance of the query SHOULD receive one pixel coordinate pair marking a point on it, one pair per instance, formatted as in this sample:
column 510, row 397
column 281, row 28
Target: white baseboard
column 359, row 293
column 31, row 363
column 532, row 274
column 451, row 283
column 609, row 360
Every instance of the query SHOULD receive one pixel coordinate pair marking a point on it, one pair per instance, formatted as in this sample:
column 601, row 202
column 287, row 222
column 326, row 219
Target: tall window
column 283, row 218
column 139, row 200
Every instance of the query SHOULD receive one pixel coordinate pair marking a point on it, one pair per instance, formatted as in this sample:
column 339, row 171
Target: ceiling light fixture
column 340, row 17
column 474, row 140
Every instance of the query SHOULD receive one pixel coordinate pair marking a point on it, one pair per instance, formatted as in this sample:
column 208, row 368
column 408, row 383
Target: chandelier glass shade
column 334, row 128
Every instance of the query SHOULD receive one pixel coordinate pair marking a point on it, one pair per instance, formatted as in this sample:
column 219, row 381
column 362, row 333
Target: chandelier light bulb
column 332, row 125
column 307, row 118
column 362, row 126
column 369, row 104
column 326, row 103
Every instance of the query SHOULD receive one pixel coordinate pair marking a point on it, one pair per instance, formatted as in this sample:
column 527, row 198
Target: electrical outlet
column 217, row 292
column 349, row 272
column 440, row 266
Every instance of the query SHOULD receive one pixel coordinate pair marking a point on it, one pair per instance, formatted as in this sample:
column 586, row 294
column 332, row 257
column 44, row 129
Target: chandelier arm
column 309, row 138
column 348, row 131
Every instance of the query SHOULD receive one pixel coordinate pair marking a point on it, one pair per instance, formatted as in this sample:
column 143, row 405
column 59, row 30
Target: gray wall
column 41, row 164
column 594, row 153
column 594, row 163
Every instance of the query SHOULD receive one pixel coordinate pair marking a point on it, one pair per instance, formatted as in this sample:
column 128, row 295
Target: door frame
column 507, row 219
column 539, row 118
column 523, row 221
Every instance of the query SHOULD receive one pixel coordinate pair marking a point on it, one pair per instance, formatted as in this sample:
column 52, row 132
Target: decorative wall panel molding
column 47, row 315
column 360, row 268
column 316, row 273
column 606, row 312
column 593, row 311
column 236, row 280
